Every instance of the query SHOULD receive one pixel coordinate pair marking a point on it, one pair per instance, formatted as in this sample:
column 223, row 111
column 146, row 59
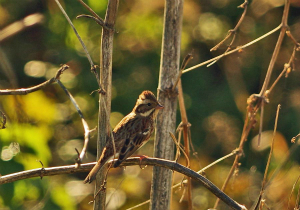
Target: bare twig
column 269, row 160
column 293, row 140
column 93, row 66
column 91, row 11
column 277, row 48
column 231, row 32
column 286, row 68
column 182, row 150
column 186, row 136
column 84, row 123
column 76, row 33
column 70, row 169
column 100, row 21
column 297, row 200
column 185, row 61
column 24, row 91
column 233, row 51
column 255, row 101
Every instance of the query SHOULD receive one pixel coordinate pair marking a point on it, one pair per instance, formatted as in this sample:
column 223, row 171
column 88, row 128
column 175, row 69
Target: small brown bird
column 131, row 133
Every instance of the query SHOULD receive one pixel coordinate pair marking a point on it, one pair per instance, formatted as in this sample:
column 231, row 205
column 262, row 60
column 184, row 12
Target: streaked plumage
column 132, row 132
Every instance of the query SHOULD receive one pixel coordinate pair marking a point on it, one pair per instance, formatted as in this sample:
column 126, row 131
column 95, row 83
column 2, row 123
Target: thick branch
column 71, row 169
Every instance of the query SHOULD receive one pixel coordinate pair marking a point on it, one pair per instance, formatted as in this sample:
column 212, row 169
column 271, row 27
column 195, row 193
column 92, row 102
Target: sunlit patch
column 220, row 3
column 211, row 27
column 132, row 171
column 35, row 68
column 259, row 7
column 280, row 148
column 8, row 152
column 115, row 198
column 66, row 150
column 115, row 118
column 248, row 25
column 77, row 189
column 223, row 129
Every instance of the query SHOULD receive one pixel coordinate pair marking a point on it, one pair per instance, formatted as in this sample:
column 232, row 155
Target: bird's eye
column 149, row 104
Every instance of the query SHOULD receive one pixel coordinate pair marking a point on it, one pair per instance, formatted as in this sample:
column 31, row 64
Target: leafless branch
column 233, row 51
column 84, row 123
column 199, row 172
column 71, row 169
column 269, row 161
column 93, row 66
column 25, row 91
column 256, row 101
column 231, row 32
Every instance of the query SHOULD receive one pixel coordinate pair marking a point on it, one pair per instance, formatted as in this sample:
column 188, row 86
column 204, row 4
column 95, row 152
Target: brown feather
column 132, row 132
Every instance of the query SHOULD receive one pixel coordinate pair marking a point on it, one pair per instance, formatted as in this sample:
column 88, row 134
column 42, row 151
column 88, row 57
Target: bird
column 131, row 133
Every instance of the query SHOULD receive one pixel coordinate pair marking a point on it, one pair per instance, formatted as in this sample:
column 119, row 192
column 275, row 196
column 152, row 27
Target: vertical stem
column 166, row 119
column 105, row 100
column 184, row 120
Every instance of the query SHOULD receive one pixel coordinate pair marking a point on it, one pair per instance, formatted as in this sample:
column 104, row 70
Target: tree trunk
column 166, row 119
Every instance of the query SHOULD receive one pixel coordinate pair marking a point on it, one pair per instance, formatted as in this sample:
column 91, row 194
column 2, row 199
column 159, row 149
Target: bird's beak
column 159, row 106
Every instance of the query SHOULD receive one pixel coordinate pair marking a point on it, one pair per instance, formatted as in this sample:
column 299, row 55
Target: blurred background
column 35, row 39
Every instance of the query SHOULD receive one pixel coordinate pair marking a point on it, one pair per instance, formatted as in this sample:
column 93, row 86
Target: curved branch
column 71, row 169
column 25, row 91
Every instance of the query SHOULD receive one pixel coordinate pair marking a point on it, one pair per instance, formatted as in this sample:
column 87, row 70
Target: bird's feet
column 141, row 158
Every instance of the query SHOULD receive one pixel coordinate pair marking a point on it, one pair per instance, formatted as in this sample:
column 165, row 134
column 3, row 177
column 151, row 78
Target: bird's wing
column 134, row 137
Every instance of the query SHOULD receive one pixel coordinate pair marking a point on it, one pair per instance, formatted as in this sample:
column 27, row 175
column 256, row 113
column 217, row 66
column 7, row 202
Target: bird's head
column 147, row 104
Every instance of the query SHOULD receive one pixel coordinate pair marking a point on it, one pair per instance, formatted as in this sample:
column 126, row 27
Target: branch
column 84, row 123
column 257, row 101
column 231, row 32
column 233, row 51
column 71, row 169
column 93, row 66
column 25, row 91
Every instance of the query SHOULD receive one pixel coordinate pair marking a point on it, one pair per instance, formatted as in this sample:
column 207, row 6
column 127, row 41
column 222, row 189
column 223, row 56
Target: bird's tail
column 102, row 160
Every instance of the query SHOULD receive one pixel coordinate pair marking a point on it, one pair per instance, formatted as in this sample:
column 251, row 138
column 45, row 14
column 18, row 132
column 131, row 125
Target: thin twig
column 76, row 33
column 231, row 32
column 82, row 44
column 277, row 48
column 186, row 140
column 255, row 100
column 84, row 123
column 297, row 200
column 185, row 61
column 182, row 150
column 287, row 66
column 90, row 10
column 233, row 51
column 25, row 91
column 261, row 120
column 269, row 159
column 97, row 20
